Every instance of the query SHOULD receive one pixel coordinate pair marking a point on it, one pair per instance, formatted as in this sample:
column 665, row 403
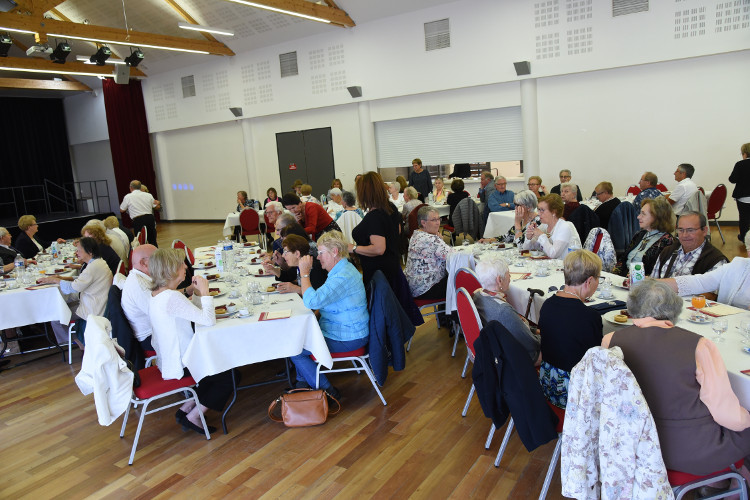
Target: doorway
column 306, row 155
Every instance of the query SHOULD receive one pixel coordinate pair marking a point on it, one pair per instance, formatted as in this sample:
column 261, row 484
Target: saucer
column 605, row 297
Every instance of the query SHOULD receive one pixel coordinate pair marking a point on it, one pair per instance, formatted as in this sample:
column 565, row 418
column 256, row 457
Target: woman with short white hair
column 526, row 204
column 492, row 304
column 394, row 196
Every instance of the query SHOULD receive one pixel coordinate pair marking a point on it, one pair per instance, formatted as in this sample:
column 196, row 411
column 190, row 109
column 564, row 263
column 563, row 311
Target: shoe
column 301, row 384
column 188, row 425
column 334, row 393
column 179, row 415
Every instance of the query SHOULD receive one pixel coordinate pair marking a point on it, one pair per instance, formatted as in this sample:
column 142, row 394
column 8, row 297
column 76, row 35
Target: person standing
column 487, row 183
column 140, row 207
column 685, row 189
column 741, row 194
column 420, row 178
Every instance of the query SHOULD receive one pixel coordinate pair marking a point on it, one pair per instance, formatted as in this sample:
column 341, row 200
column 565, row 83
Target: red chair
column 715, row 206
column 143, row 236
column 188, row 253
column 560, row 413
column 634, row 190
column 270, row 230
column 471, row 324
column 154, row 387
column 426, row 305
column 250, row 222
column 700, row 188
column 359, row 358
column 413, row 219
column 122, row 268
column 661, row 187
column 467, row 279
column 682, row 482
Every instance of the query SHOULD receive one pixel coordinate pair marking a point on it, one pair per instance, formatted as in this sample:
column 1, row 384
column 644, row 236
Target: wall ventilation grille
column 624, row 7
column 437, row 35
column 288, row 64
column 188, row 86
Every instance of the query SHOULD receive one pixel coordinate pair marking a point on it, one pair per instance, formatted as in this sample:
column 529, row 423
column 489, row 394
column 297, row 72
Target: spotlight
column 5, row 43
column 135, row 58
column 101, row 55
column 61, row 52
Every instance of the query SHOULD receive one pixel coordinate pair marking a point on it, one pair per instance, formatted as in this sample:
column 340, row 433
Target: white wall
column 86, row 118
column 92, row 161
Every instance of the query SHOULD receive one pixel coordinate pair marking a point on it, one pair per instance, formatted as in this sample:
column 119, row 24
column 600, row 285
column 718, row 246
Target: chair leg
column 455, row 344
column 468, row 401
column 408, row 346
column 490, row 435
column 371, row 375
column 125, row 420
column 504, row 444
column 719, row 228
column 138, row 432
column 466, row 365
column 551, row 469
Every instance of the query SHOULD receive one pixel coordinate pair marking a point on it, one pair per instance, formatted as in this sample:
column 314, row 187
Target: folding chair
column 715, row 206
column 359, row 358
column 634, row 190
column 471, row 324
column 465, row 278
column 682, row 482
column 142, row 236
column 188, row 253
column 250, row 222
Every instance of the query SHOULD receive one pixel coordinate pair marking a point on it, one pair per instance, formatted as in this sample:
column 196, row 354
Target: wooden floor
column 418, row 446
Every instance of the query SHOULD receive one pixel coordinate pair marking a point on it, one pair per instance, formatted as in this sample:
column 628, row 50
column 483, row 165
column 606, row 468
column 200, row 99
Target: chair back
column 661, row 187
column 634, row 190
column 122, row 268
column 697, row 203
column 467, row 219
column 270, row 228
column 716, row 201
column 584, row 220
column 623, row 224
column 700, row 188
column 347, row 222
column 188, row 253
column 467, row 279
column 413, row 219
column 249, row 220
column 468, row 316
column 600, row 242
column 143, row 236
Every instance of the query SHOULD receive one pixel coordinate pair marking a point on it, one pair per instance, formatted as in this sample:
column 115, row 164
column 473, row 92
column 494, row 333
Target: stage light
column 101, row 55
column 205, row 29
column 5, row 43
column 61, row 52
column 135, row 58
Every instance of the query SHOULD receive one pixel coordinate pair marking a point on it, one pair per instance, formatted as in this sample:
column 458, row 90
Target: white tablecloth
column 235, row 342
column 498, row 223
column 21, row 307
column 442, row 210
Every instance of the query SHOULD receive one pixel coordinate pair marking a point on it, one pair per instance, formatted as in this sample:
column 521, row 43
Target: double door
column 306, row 155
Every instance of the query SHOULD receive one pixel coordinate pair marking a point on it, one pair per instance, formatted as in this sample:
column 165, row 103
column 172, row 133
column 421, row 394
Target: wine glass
column 745, row 331
column 719, row 326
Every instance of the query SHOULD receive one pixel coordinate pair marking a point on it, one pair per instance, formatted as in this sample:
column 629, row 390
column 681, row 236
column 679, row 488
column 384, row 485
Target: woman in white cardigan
column 555, row 236
column 171, row 313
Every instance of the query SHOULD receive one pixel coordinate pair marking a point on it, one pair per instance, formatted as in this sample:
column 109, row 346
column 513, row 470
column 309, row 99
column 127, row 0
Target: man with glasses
column 565, row 177
column 648, row 183
column 501, row 200
column 685, row 189
column 691, row 254
column 609, row 202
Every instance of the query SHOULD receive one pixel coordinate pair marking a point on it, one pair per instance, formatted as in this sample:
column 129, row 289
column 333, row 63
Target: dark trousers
column 744, row 210
column 214, row 390
column 149, row 222
column 437, row 291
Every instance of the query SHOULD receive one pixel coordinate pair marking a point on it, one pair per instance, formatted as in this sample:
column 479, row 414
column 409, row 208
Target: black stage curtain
column 128, row 136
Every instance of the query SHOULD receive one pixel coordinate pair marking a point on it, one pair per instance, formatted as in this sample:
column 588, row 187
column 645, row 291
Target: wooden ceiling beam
column 44, row 66
column 38, row 7
column 106, row 34
column 187, row 17
column 332, row 14
column 24, row 83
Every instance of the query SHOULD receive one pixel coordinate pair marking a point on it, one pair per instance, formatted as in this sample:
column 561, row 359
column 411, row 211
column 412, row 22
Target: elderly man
column 487, row 183
column 271, row 214
column 140, row 207
column 569, row 194
column 420, row 179
column 648, row 183
column 608, row 200
column 565, row 177
column 7, row 252
column 685, row 189
column 335, row 204
column 501, row 200
column 692, row 254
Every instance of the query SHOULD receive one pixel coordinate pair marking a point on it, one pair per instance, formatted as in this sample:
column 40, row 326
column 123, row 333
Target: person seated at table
column 411, row 201
column 334, row 202
column 565, row 176
column 648, row 183
column 401, row 182
column 685, row 189
column 92, row 286
column 171, row 314
column 336, row 183
column 242, row 201
column 656, row 221
column 297, row 186
column 282, row 221
column 731, row 280
column 501, row 199
column 312, row 216
column 306, row 194
column 568, row 192
column 296, row 246
column 7, row 252
column 26, row 242
column 394, row 194
column 555, row 236
column 350, row 204
column 569, row 328
column 96, row 230
column 270, row 216
column 271, row 196
column 439, row 194
column 341, row 303
column 692, row 254
column 604, row 193
column 455, row 196
column 526, row 203
column 701, row 425
column 535, row 186
column 425, row 264
column 120, row 241
column 492, row 304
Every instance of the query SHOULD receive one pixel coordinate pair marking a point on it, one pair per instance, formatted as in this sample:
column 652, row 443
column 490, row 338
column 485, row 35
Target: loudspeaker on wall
column 522, row 68
column 122, row 74
column 237, row 112
column 355, row 91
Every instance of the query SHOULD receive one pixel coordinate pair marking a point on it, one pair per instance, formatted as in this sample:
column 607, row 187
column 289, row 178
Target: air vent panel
column 288, row 64
column 437, row 35
column 625, row 7
column 188, row 86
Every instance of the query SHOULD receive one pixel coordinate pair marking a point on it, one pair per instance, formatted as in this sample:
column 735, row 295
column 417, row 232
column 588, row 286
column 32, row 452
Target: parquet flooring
column 418, row 446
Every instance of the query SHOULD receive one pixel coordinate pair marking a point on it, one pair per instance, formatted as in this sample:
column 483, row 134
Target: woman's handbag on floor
column 302, row 407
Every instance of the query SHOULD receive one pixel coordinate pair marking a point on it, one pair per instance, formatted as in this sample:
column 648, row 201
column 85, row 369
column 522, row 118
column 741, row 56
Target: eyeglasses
column 532, row 184
column 434, row 220
column 286, row 251
column 687, row 230
column 564, row 177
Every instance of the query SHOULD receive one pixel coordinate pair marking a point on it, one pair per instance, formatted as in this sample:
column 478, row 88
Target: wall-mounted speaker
column 122, row 74
column 237, row 112
column 522, row 68
column 355, row 91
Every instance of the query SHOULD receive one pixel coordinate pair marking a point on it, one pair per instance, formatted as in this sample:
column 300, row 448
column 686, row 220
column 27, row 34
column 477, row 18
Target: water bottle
column 218, row 255
column 19, row 265
column 637, row 273
column 55, row 252
column 228, row 255
column 430, row 198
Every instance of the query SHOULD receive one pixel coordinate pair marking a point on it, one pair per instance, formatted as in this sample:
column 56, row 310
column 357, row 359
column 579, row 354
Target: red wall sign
column 292, row 166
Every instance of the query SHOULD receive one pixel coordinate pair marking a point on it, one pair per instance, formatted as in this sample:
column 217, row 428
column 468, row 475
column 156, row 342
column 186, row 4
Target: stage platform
column 56, row 225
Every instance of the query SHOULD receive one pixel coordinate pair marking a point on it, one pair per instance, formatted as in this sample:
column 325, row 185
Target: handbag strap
column 337, row 404
column 271, row 407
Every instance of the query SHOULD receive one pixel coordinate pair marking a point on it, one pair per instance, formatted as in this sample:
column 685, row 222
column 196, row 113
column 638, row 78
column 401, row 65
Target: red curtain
column 128, row 136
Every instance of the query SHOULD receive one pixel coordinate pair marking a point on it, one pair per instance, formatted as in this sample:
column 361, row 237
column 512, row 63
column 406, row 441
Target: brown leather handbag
column 302, row 407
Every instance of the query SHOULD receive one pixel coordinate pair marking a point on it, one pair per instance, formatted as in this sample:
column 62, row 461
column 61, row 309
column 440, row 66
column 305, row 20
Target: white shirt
column 138, row 203
column 136, row 295
column 685, row 189
column 333, row 208
column 93, row 287
column 732, row 280
column 563, row 237
column 171, row 313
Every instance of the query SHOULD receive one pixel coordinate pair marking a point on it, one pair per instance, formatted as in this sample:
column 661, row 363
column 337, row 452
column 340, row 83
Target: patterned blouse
column 425, row 265
column 510, row 236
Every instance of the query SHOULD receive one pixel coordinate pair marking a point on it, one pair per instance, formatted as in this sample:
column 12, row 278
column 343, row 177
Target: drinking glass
column 719, row 326
column 745, row 331
column 698, row 301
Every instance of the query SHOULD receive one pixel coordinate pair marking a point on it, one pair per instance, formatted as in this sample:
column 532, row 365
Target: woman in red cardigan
column 311, row 216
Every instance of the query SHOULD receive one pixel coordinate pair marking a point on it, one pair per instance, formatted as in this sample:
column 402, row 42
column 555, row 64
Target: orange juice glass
column 699, row 301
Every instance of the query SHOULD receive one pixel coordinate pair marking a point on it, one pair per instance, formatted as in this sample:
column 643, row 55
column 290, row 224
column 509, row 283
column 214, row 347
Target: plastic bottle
column 637, row 273
column 54, row 250
column 218, row 255
column 228, row 255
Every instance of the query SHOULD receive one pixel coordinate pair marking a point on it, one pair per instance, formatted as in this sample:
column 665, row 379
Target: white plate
column 225, row 315
column 199, row 265
column 220, row 294
column 55, row 273
column 706, row 321
column 610, row 316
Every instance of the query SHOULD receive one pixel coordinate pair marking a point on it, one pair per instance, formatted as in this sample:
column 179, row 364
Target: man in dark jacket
column 692, row 254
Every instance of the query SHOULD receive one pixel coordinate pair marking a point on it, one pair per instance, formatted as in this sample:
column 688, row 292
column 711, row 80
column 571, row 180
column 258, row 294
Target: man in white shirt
column 140, row 207
column 685, row 189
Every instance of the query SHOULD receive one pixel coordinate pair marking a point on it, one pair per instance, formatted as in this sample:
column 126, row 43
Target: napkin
column 610, row 305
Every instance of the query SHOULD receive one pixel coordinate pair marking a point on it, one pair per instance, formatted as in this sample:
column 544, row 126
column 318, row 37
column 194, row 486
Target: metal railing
column 91, row 195
column 58, row 198
column 49, row 197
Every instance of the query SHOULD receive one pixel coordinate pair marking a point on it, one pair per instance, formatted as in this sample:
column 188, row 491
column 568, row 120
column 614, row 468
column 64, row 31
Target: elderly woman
column 341, row 302
column 334, row 202
column 306, row 194
column 312, row 216
column 120, row 241
column 456, row 195
column 92, row 286
column 295, row 246
column 394, row 196
column 657, row 222
column 732, row 280
column 492, row 304
column 350, row 204
column 425, row 265
column 171, row 313
column 555, row 237
column 526, row 203
column 702, row 427
column 535, row 186
column 26, row 241
column 411, row 201
column 569, row 327
column 569, row 195
column 439, row 194
column 95, row 229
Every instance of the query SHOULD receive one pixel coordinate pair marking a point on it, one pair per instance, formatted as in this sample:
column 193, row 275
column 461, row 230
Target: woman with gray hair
column 394, row 196
column 349, row 201
column 492, row 304
column 425, row 264
column 525, row 202
column 702, row 427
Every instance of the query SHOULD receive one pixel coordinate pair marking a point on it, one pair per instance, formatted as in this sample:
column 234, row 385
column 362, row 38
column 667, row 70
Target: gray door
column 306, row 155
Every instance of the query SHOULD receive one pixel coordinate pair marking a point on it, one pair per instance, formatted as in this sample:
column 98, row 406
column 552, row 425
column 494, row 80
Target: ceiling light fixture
column 61, row 52
column 135, row 58
column 101, row 55
column 61, row 72
column 14, row 30
column 115, row 42
column 206, row 29
column 86, row 60
column 5, row 43
column 281, row 11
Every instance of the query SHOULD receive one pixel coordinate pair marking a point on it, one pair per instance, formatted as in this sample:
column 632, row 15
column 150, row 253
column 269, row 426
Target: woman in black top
column 568, row 327
column 457, row 194
column 741, row 177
